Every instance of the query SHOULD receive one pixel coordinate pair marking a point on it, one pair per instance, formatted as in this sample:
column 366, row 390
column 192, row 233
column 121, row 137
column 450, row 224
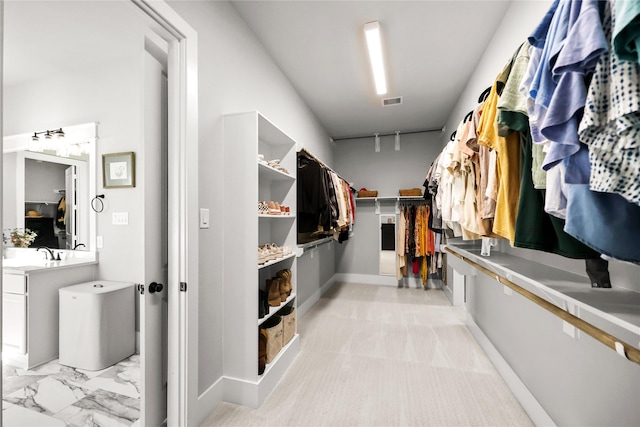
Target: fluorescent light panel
column 374, row 44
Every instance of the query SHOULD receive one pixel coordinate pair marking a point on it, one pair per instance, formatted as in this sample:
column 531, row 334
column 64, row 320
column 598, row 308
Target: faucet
column 78, row 245
column 48, row 250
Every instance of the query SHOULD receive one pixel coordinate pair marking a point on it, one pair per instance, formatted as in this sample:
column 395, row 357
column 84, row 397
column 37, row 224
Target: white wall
column 108, row 94
column 235, row 75
column 9, row 163
column 519, row 21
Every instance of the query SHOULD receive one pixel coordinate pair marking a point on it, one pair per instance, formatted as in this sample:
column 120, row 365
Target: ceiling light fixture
column 374, row 44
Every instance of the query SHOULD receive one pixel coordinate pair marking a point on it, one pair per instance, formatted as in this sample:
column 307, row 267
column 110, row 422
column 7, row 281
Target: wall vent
column 392, row 101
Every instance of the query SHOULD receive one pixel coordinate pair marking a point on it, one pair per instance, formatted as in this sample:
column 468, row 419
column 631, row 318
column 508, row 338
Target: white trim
column 367, row 279
column 530, row 404
column 209, row 400
column 310, row 302
column 252, row 394
column 182, row 394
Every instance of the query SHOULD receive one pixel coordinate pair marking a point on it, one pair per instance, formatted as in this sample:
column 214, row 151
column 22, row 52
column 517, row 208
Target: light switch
column 120, row 218
column 99, row 242
column 204, row 218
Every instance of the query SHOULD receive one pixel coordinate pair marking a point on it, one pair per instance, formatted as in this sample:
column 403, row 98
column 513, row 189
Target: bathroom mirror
column 48, row 186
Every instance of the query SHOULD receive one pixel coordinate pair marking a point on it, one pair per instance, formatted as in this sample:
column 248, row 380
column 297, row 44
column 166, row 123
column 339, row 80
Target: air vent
column 392, row 101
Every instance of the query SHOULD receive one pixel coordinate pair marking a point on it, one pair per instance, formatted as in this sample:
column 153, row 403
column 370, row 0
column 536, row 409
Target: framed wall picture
column 119, row 170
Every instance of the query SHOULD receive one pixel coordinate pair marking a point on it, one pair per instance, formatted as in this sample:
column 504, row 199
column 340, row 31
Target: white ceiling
column 431, row 49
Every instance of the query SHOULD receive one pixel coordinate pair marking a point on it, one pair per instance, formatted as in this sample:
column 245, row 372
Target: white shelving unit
column 245, row 136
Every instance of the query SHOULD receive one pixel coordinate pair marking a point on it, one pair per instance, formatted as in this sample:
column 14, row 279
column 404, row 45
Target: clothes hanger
column 483, row 96
column 468, row 116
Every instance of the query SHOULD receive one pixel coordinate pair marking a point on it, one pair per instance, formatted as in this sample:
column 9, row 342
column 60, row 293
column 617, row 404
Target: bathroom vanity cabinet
column 30, row 311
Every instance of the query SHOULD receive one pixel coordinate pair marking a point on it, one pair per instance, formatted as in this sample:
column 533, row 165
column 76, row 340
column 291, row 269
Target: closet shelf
column 396, row 199
column 284, row 358
column 41, row 202
column 275, row 261
column 274, row 310
column 612, row 310
column 276, row 216
column 389, row 198
column 310, row 245
column 268, row 173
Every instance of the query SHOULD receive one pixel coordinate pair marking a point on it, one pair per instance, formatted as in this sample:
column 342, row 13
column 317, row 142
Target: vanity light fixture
column 374, row 44
column 48, row 134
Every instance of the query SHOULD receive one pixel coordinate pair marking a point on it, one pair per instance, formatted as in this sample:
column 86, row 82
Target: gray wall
column 579, row 382
column 316, row 268
column 41, row 179
column 387, row 171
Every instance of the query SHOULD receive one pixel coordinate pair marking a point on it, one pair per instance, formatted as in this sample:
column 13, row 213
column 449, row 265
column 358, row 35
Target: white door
column 70, row 218
column 153, row 300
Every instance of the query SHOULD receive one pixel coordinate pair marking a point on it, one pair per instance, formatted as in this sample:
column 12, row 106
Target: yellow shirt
column 508, row 152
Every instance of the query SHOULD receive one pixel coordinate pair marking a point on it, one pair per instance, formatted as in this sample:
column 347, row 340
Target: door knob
column 155, row 287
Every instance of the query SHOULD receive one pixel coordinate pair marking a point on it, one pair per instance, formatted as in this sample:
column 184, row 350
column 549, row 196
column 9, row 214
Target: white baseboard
column 306, row 306
column 368, row 279
column 528, row 401
column 448, row 293
column 208, row 401
column 374, row 279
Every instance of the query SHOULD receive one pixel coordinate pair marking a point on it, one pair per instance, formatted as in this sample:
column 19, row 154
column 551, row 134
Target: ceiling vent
column 392, row 101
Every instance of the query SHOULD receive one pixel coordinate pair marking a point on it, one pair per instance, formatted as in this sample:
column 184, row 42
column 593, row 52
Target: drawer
column 14, row 283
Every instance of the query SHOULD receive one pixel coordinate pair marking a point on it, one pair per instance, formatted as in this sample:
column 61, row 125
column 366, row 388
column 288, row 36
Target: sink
column 31, row 260
column 27, row 262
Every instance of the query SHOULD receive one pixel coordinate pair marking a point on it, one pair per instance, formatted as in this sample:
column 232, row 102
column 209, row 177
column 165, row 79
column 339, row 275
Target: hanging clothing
column 61, row 214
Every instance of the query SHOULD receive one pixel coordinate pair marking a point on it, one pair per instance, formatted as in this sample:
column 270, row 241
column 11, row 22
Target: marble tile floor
column 53, row 395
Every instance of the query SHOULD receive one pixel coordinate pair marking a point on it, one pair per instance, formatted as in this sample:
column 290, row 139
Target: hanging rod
column 312, row 157
column 343, row 138
column 630, row 352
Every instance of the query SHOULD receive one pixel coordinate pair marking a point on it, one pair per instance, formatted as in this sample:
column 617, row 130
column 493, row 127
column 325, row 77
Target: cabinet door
column 14, row 323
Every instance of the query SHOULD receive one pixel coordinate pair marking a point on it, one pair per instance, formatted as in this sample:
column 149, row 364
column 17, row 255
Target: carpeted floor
column 384, row 356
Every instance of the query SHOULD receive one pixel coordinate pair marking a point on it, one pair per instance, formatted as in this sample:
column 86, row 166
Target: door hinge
column 183, row 286
column 141, row 288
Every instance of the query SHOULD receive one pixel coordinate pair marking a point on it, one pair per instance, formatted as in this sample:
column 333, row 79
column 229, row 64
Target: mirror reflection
column 47, row 186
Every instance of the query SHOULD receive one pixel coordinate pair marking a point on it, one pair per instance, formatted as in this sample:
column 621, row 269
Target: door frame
column 182, row 387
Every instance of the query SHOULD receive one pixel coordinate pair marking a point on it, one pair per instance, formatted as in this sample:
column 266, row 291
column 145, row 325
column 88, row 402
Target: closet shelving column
column 248, row 181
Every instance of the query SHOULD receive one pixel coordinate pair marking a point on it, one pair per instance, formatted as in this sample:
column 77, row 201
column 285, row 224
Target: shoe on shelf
column 273, row 208
column 274, row 163
column 273, row 292
column 285, row 275
column 262, row 351
column 263, row 255
column 285, row 210
column 263, row 208
column 281, row 169
column 261, row 159
column 263, row 304
column 282, row 282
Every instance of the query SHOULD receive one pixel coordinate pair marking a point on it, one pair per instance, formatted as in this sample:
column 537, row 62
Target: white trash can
column 97, row 324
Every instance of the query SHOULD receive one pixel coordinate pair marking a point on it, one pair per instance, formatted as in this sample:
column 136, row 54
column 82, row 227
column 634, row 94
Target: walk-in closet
column 329, row 213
